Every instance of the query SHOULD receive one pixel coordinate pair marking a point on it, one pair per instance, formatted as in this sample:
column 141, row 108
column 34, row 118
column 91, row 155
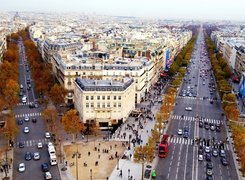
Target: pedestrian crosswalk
column 180, row 140
column 33, row 143
column 28, row 114
column 196, row 98
column 186, row 141
column 189, row 118
column 24, row 104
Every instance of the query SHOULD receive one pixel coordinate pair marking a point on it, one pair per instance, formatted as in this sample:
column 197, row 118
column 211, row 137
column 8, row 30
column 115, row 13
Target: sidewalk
column 6, row 157
column 128, row 167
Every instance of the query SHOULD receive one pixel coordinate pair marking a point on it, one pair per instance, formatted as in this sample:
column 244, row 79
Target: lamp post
column 118, row 162
column 77, row 155
column 91, row 174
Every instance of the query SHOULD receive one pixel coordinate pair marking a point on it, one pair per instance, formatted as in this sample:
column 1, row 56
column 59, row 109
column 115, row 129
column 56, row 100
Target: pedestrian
column 66, row 163
column 120, row 174
column 89, row 153
column 99, row 156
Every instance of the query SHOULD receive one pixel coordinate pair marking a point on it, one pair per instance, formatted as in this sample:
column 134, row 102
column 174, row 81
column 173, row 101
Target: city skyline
column 175, row 9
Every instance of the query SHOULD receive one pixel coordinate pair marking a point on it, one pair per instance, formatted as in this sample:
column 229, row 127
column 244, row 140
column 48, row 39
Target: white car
column 39, row 145
column 36, row 156
column 47, row 135
column 47, row 175
column 22, row 167
column 200, row 157
column 188, row 109
column 207, row 149
column 26, row 130
column 180, row 132
column 27, row 118
column 50, row 144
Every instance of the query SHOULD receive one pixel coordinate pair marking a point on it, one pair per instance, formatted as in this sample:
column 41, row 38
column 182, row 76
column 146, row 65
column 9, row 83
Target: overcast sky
column 190, row 9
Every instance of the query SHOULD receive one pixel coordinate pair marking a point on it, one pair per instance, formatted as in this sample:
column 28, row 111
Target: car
column 209, row 172
column 45, row 167
column 28, row 80
column 21, row 93
column 200, row 124
column 222, row 153
column 31, row 105
column 36, row 104
column 27, row 118
column 209, row 178
column 200, row 157
column 21, row 86
column 217, row 128
column 207, row 149
column 39, row 145
column 224, row 161
column 21, row 144
column 188, row 109
column 19, row 121
column 208, row 157
column 215, row 153
column 26, row 130
column 147, row 174
column 185, row 134
column 180, row 132
column 36, row 155
column 209, row 165
column 212, row 127
column 206, row 126
column 34, row 120
column 50, row 144
column 28, row 156
column 22, row 167
column 47, row 175
column 47, row 135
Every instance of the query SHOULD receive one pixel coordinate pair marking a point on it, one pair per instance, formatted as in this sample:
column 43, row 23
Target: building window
column 98, row 97
column 103, row 105
column 119, row 97
column 87, row 105
column 92, row 97
column 103, row 97
column 98, row 105
column 115, row 98
column 119, row 105
column 108, row 105
column 114, row 104
column 87, row 98
column 108, row 97
column 92, row 105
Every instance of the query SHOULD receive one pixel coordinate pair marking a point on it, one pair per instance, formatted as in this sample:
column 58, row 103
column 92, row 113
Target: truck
column 52, row 155
column 163, row 146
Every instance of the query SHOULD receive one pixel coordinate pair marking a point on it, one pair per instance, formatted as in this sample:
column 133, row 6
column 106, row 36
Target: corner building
column 104, row 102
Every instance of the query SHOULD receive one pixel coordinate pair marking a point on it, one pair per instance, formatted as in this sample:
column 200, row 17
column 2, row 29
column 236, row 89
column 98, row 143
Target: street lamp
column 77, row 155
column 91, row 174
column 118, row 162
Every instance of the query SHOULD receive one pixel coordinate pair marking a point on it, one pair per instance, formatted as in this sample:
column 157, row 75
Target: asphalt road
column 37, row 130
column 182, row 161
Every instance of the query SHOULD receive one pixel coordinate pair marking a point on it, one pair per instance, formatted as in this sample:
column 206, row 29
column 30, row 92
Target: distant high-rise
column 16, row 17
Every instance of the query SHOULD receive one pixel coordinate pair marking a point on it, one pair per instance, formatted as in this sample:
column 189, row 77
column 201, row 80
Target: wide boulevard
column 37, row 130
column 198, row 93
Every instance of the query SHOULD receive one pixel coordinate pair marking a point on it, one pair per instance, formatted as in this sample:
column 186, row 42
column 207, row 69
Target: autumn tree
column 11, row 130
column 51, row 116
column 11, row 92
column 71, row 123
column 232, row 112
column 57, row 94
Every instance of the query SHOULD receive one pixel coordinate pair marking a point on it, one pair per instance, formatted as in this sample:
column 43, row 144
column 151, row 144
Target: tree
column 51, row 116
column 11, row 129
column 15, row 36
column 71, row 123
column 57, row 94
column 11, row 92
column 232, row 112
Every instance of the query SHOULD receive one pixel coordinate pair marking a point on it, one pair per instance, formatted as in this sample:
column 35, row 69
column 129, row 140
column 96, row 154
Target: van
column 24, row 99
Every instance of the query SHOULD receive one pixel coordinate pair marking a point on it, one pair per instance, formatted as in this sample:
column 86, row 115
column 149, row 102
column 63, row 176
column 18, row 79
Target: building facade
column 104, row 102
